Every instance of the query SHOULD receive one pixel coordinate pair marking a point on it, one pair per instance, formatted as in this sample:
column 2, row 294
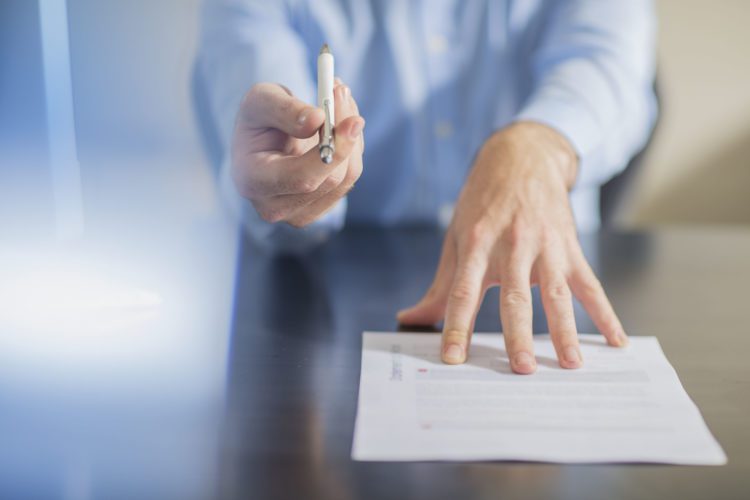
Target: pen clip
column 326, row 134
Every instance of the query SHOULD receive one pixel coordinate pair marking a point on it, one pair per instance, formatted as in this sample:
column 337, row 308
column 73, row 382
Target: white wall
column 698, row 168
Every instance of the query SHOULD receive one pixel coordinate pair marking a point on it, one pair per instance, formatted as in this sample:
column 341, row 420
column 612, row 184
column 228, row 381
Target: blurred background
column 696, row 171
column 132, row 97
column 114, row 339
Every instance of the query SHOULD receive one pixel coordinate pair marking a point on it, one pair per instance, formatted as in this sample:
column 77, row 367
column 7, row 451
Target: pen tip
column 324, row 49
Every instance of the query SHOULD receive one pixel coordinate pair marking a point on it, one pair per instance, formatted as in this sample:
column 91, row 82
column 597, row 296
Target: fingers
column 301, row 181
column 517, row 316
column 431, row 308
column 344, row 103
column 301, row 209
column 355, row 111
column 346, row 172
column 269, row 105
column 276, row 173
column 463, row 301
column 353, row 170
column 299, row 188
column 338, row 184
column 304, row 174
column 307, row 172
column 346, row 106
column 590, row 292
column 289, row 207
column 558, row 306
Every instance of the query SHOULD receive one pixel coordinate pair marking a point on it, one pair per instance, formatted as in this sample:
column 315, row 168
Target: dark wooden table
column 295, row 357
column 183, row 406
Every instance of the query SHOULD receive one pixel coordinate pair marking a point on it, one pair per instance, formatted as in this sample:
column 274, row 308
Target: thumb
column 428, row 311
column 431, row 309
column 270, row 105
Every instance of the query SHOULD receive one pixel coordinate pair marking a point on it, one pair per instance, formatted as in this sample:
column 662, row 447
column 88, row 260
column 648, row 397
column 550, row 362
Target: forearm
column 593, row 82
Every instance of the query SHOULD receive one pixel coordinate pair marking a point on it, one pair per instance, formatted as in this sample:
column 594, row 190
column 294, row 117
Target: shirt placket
column 440, row 112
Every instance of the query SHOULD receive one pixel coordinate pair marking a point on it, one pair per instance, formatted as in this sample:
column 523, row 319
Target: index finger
column 463, row 302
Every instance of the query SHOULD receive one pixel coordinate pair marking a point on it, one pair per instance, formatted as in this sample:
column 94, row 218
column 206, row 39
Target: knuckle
column 349, row 182
column 461, row 293
column 333, row 181
column 286, row 106
column 517, row 235
column 342, row 153
column 329, row 184
column 298, row 223
column 346, row 187
column 245, row 189
column 515, row 297
column 271, row 215
column 558, row 291
column 305, row 185
column 592, row 287
column 253, row 94
column 455, row 335
column 549, row 239
column 353, row 173
column 241, row 181
column 476, row 236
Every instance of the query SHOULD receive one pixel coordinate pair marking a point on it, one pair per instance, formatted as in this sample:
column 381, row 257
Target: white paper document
column 624, row 405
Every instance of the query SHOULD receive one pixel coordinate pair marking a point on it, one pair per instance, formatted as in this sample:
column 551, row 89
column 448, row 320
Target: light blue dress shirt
column 434, row 79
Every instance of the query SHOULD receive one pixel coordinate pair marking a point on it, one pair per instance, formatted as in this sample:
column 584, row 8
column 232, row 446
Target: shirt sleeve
column 593, row 73
column 244, row 42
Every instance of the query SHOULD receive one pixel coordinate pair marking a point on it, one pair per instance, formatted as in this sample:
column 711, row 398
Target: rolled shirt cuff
column 578, row 126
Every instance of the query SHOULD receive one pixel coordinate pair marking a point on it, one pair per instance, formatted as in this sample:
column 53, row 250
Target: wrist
column 547, row 145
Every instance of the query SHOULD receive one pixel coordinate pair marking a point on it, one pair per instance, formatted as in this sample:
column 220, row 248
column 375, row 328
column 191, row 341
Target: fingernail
column 571, row 355
column 302, row 118
column 453, row 353
column 356, row 129
column 523, row 361
column 347, row 92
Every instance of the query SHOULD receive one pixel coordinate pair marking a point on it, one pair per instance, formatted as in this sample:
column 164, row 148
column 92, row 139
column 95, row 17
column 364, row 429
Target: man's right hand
column 275, row 159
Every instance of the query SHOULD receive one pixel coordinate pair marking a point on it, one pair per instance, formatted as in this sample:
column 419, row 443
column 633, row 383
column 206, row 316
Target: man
column 500, row 117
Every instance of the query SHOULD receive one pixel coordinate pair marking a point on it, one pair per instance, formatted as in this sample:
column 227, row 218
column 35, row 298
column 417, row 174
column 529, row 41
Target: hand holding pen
column 277, row 148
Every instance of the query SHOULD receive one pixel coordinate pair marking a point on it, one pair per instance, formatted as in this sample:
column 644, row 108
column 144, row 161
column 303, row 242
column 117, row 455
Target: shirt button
column 443, row 129
column 437, row 44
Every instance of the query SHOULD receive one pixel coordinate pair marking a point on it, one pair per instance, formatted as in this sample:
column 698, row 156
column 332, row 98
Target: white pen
column 325, row 102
